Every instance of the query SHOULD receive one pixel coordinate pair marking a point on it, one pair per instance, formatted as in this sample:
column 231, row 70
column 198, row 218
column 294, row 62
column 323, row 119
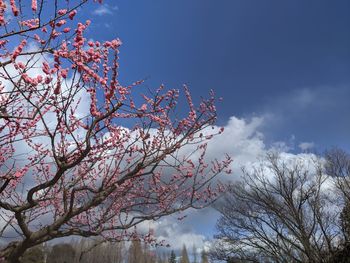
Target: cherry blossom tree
column 67, row 164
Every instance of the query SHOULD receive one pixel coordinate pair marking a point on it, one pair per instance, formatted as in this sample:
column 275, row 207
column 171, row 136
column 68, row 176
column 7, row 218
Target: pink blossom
column 34, row 5
column 62, row 12
column 143, row 107
column 66, row 29
column 46, row 68
column 18, row 174
column 14, row 8
column 61, row 23
column 72, row 14
column 57, row 89
column 3, row 43
column 2, row 12
column 21, row 65
column 48, row 80
column 18, row 49
column 64, row 73
column 39, row 78
column 31, row 23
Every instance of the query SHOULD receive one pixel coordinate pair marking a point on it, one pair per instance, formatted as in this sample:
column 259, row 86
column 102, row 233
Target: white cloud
column 244, row 142
column 241, row 139
column 176, row 233
column 306, row 146
column 105, row 9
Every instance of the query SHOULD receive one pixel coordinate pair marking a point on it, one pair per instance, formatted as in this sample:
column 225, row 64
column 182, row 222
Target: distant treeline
column 92, row 251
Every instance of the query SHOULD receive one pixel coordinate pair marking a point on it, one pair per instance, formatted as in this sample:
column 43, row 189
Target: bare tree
column 282, row 211
column 99, row 251
column 135, row 253
column 337, row 164
column 61, row 253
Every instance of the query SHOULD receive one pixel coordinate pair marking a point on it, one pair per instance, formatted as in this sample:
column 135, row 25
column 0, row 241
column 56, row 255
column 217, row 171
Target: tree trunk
column 17, row 252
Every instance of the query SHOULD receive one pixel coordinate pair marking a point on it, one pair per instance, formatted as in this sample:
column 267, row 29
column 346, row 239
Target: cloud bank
column 245, row 143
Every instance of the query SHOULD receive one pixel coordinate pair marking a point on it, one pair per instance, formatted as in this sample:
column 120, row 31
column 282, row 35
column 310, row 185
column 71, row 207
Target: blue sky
column 282, row 67
column 287, row 60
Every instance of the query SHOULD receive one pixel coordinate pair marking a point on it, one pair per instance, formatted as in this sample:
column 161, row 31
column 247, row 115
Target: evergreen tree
column 194, row 252
column 135, row 252
column 172, row 258
column 184, row 255
column 204, row 257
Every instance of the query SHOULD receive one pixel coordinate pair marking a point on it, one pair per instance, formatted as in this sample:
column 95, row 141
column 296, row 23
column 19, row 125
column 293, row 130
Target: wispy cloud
column 306, row 146
column 105, row 9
